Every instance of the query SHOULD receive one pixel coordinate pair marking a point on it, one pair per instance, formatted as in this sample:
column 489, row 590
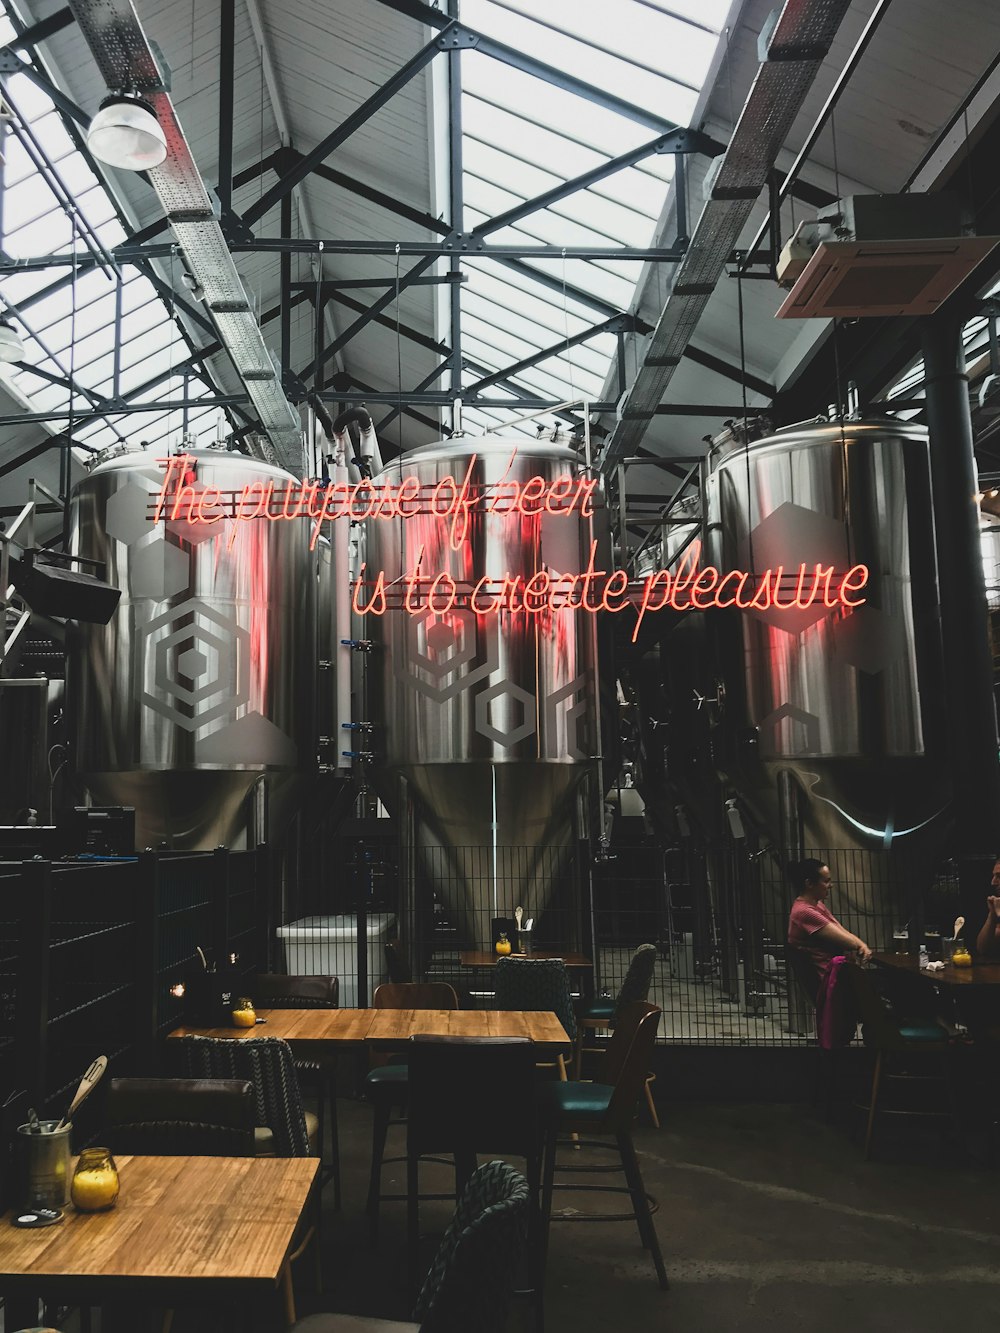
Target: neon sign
column 448, row 498
column 544, row 592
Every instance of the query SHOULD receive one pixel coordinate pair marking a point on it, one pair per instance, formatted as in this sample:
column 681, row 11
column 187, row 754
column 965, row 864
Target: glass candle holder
column 243, row 1014
column 94, row 1187
column 503, row 945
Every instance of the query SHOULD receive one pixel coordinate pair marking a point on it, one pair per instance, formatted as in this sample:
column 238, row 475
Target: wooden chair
column 179, row 1117
column 275, row 990
column 606, row 1107
column 603, row 1013
column 469, row 1284
column 387, row 1084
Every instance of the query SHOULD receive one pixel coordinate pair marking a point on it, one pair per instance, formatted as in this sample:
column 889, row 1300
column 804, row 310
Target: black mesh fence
column 718, row 918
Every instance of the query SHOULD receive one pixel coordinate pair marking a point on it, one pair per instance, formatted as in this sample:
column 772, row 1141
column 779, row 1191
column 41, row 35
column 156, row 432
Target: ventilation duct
column 792, row 55
column 125, row 58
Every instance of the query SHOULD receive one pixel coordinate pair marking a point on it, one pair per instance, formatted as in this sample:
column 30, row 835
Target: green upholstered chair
column 911, row 1053
column 606, row 1108
column 470, row 1282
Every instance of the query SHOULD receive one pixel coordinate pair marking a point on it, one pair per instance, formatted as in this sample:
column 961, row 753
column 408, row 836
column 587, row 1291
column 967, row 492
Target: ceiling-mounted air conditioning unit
column 879, row 254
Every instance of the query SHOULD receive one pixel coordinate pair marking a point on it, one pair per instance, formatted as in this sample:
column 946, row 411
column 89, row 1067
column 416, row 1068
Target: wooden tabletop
column 488, row 958
column 354, row 1027
column 183, row 1228
column 980, row 974
column 346, row 1027
column 395, row 1026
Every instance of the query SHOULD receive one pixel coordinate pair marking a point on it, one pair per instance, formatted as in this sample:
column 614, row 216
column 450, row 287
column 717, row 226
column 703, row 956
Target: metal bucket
column 45, row 1165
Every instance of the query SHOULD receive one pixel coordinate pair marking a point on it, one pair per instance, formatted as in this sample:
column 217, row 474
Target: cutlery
column 959, row 923
column 518, row 914
column 89, row 1081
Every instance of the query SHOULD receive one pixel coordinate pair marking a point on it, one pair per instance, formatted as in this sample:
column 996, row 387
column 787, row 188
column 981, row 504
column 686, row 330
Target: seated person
column 812, row 927
column 988, row 939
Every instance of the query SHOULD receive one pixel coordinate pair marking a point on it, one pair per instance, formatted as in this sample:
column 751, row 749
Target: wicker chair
column 280, row 1119
column 275, row 990
column 538, row 985
column 268, row 1064
column 469, row 1284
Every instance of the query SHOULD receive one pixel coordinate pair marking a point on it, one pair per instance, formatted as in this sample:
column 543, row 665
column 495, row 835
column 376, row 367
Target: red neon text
column 686, row 589
column 450, row 498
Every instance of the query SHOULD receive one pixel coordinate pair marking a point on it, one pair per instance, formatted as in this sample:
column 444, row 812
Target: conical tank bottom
column 196, row 810
column 493, row 836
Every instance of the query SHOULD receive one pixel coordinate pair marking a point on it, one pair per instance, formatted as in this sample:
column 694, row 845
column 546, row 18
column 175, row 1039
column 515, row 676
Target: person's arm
column 834, row 933
column 986, row 940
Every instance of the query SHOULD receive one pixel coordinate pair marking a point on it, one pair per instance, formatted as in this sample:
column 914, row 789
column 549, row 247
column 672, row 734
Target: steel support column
column 972, row 727
column 456, row 201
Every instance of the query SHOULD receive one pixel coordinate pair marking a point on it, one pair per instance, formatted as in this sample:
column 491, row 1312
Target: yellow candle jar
column 95, row 1185
column 243, row 1014
column 503, row 946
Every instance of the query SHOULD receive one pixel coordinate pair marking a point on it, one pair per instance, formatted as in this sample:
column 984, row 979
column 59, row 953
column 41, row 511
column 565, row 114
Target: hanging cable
column 746, row 422
column 399, row 360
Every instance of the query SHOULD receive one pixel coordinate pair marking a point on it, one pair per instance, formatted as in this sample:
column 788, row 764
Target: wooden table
column 323, row 1028
column 489, row 958
column 184, row 1228
column 980, row 974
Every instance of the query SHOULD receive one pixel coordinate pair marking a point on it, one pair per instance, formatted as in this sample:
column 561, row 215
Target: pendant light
column 125, row 133
column 11, row 346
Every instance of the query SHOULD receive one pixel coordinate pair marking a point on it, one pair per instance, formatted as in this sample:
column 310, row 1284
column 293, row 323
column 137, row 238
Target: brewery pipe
column 972, row 726
column 337, row 434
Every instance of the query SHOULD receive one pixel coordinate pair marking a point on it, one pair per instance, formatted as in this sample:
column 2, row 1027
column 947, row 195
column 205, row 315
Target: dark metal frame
column 450, row 39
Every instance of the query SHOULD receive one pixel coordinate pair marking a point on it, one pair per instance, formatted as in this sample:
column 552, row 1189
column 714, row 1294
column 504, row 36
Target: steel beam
column 678, row 142
column 613, row 325
column 296, row 174
column 508, row 55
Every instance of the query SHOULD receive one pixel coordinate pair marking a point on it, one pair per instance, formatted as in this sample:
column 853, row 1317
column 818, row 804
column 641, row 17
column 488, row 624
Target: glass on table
column 901, row 940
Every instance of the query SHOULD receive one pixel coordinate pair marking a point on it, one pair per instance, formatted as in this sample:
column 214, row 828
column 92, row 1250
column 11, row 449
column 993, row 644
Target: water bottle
column 924, row 960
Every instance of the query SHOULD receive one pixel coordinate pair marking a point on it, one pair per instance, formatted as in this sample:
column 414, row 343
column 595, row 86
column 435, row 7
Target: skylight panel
column 604, row 69
column 524, row 136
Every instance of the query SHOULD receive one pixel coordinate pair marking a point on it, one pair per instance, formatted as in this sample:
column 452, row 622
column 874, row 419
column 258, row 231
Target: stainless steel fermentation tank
column 202, row 686
column 837, row 715
column 490, row 718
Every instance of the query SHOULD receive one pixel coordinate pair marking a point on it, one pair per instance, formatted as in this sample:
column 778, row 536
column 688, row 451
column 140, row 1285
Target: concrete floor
column 769, row 1218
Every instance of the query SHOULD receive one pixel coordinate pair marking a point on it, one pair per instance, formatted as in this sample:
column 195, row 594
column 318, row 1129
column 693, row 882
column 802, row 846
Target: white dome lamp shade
column 125, row 133
column 11, row 346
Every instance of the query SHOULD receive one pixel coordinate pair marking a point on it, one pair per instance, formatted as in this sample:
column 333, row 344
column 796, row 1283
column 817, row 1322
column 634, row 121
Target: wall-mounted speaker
column 52, row 590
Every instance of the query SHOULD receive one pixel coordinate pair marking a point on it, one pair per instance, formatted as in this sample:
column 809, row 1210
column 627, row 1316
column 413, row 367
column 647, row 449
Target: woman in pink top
column 812, row 927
